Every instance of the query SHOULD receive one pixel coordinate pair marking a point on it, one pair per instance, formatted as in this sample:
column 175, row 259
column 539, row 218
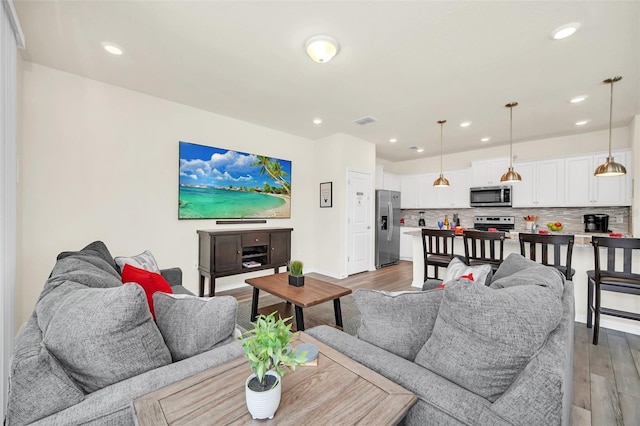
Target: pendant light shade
column 441, row 181
column 511, row 175
column 610, row 167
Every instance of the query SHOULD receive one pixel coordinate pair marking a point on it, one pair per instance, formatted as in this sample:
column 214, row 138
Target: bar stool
column 544, row 241
column 437, row 248
column 480, row 247
column 619, row 279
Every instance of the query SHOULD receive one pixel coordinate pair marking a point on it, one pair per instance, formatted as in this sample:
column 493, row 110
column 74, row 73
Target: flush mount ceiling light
column 511, row 175
column 578, row 99
column 582, row 122
column 465, row 124
column 321, row 48
column 610, row 167
column 393, row 140
column 485, row 139
column 565, row 31
column 441, row 181
column 112, row 48
column 317, row 121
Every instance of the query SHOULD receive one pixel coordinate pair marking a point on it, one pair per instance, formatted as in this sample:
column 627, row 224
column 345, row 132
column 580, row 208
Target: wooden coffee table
column 338, row 391
column 313, row 292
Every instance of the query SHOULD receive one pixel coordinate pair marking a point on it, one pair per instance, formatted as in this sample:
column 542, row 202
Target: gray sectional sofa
column 91, row 345
column 473, row 354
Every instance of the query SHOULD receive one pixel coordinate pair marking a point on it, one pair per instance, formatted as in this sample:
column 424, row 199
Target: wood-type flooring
column 606, row 379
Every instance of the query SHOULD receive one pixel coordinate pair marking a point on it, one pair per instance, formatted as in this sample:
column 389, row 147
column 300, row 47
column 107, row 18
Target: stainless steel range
column 501, row 223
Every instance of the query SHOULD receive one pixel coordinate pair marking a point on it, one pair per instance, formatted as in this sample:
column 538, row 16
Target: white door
column 359, row 222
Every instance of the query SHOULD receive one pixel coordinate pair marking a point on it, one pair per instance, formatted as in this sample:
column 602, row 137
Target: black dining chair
column 482, row 247
column 616, row 274
column 437, row 248
column 544, row 242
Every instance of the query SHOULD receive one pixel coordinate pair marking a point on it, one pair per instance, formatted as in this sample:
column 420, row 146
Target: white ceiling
column 406, row 63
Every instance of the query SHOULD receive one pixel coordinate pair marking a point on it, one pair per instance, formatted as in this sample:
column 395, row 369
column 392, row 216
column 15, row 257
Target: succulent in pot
column 267, row 348
column 296, row 277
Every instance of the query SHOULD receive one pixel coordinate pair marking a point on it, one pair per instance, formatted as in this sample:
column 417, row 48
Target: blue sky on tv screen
column 221, row 168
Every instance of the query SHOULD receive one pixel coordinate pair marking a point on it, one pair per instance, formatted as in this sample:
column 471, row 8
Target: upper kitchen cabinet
column 457, row 193
column 488, row 172
column 428, row 193
column 391, row 182
column 582, row 188
column 542, row 184
column 409, row 197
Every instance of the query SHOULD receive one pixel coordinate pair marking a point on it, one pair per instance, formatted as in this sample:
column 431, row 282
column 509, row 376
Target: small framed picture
column 326, row 194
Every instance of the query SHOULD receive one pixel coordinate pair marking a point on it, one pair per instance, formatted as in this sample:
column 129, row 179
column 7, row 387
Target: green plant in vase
column 267, row 348
column 296, row 277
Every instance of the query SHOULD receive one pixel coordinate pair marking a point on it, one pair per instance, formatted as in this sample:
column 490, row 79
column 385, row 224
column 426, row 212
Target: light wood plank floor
column 606, row 380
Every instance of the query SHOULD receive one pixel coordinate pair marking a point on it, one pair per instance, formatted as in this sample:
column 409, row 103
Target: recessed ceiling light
column 565, row 31
column 317, row 121
column 465, row 124
column 582, row 122
column 393, row 140
column 114, row 49
column 486, row 139
column 419, row 149
column 578, row 99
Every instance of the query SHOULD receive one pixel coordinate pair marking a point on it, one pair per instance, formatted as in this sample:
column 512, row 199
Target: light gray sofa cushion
column 144, row 260
column 191, row 325
column 516, row 270
column 101, row 336
column 96, row 249
column 38, row 386
column 483, row 337
column 398, row 322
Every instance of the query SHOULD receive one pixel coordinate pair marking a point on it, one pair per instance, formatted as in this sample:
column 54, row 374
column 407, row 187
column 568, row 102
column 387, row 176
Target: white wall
column 634, row 136
column 335, row 155
column 100, row 162
column 524, row 151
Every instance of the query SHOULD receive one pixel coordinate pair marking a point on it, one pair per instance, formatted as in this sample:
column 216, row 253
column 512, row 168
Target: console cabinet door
column 227, row 252
column 280, row 247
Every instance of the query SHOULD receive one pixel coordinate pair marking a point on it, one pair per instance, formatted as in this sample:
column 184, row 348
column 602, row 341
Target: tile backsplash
column 571, row 217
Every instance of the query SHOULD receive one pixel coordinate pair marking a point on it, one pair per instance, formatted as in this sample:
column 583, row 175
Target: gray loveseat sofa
column 473, row 355
column 91, row 345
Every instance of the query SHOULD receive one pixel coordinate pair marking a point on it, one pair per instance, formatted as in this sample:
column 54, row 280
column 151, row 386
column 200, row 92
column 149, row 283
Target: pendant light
column 511, row 175
column 610, row 167
column 441, row 181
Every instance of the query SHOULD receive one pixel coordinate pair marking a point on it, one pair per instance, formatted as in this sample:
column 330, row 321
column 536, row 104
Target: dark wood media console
column 229, row 252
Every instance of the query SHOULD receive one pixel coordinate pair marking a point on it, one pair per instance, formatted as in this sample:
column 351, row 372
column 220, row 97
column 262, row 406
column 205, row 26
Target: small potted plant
column 295, row 273
column 268, row 349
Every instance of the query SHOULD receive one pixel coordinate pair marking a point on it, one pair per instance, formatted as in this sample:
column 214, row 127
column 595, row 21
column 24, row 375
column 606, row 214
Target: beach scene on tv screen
column 218, row 183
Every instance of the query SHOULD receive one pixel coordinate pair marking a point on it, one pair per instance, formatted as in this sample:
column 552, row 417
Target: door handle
column 390, row 225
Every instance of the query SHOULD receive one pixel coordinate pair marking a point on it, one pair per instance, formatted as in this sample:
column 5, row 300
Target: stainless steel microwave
column 490, row 196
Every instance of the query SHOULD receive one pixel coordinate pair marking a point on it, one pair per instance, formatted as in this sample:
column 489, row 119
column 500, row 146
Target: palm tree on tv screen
column 273, row 169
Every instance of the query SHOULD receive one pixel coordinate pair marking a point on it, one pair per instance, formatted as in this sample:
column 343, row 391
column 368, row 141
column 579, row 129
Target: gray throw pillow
column 191, row 325
column 538, row 275
column 101, row 336
column 38, row 386
column 144, row 260
column 515, row 262
column 484, row 337
column 398, row 322
column 95, row 249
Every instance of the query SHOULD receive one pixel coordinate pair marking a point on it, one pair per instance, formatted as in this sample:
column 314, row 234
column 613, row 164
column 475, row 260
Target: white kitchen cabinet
column 428, row 193
column 488, row 172
column 409, row 198
column 406, row 243
column 379, row 177
column 457, row 193
column 582, row 188
column 542, row 184
column 391, row 182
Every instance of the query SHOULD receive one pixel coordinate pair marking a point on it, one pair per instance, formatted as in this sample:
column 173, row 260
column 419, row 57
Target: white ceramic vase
column 263, row 405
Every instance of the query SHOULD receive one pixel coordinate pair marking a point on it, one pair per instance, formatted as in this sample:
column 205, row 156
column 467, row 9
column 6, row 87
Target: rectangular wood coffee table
column 338, row 391
column 313, row 292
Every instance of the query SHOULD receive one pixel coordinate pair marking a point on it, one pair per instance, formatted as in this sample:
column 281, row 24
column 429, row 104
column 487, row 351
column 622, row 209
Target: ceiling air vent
column 365, row 120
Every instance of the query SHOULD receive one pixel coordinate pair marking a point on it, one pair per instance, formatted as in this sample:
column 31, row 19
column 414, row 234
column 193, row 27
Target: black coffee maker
column 596, row 223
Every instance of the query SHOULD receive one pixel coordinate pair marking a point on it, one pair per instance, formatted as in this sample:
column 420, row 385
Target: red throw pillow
column 149, row 281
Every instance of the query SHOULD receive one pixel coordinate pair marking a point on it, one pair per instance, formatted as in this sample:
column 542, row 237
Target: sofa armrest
column 172, row 275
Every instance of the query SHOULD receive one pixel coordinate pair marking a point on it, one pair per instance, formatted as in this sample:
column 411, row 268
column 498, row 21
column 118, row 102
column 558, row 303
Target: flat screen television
column 217, row 183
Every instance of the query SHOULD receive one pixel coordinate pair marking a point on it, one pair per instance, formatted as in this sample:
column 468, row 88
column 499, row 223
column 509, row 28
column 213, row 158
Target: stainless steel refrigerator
column 387, row 227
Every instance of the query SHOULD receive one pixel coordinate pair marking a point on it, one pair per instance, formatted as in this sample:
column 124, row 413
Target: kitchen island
column 581, row 261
